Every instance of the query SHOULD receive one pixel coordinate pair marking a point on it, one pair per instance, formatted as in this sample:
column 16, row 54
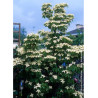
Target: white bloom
column 50, row 87
column 47, row 81
column 38, row 91
column 46, row 68
column 27, row 64
column 47, row 43
column 37, row 85
column 25, row 39
column 67, row 87
column 75, row 93
column 30, row 83
column 70, row 65
column 51, row 47
column 67, row 58
column 34, row 63
column 50, row 57
column 50, row 73
column 80, row 65
column 64, row 71
column 54, row 41
column 73, row 62
column 62, row 81
column 17, row 61
column 26, row 81
column 31, row 95
column 42, row 76
column 61, row 91
column 55, row 76
column 60, row 66
column 21, row 50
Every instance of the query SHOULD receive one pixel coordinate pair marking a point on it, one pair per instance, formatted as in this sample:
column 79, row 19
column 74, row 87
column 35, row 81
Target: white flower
column 67, row 58
column 47, row 43
column 42, row 76
column 73, row 62
column 55, row 76
column 27, row 64
column 50, row 57
column 21, row 50
column 50, row 73
column 26, row 81
column 72, row 87
column 30, row 83
column 54, row 41
column 75, row 93
column 31, row 95
column 38, row 91
column 50, row 87
column 17, row 61
column 47, row 81
column 60, row 67
column 64, row 71
column 61, row 91
column 67, row 87
column 35, row 87
column 38, row 85
column 62, row 81
column 46, row 68
column 80, row 65
column 51, row 47
column 70, row 65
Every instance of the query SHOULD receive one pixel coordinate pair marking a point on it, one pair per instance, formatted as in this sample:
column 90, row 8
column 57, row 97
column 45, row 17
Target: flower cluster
column 62, row 81
column 20, row 50
column 80, row 65
column 32, row 34
column 61, row 45
column 47, row 11
column 36, row 70
column 66, row 38
column 50, row 57
column 77, row 93
column 17, row 61
column 70, row 87
column 55, row 76
column 76, row 50
column 66, row 71
column 38, row 85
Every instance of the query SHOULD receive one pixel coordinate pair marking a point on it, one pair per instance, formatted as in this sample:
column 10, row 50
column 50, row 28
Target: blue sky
column 29, row 14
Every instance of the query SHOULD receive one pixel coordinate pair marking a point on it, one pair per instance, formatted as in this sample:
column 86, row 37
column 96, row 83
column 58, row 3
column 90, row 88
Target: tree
column 23, row 34
column 78, row 39
column 45, row 76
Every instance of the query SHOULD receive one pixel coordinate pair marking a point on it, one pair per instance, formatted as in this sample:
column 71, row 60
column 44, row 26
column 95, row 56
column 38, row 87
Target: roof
column 74, row 32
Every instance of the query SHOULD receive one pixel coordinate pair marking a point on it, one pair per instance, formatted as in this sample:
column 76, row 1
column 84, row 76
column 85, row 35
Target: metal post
column 19, row 34
column 81, row 74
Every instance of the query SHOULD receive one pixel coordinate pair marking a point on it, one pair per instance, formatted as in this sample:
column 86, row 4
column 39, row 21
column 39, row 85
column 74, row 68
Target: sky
column 29, row 14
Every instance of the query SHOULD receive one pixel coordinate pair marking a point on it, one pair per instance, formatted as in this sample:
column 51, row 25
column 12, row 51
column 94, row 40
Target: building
column 79, row 29
column 16, row 35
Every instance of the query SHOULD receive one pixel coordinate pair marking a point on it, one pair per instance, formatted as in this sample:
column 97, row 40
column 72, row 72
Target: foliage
column 22, row 34
column 45, row 76
column 77, row 40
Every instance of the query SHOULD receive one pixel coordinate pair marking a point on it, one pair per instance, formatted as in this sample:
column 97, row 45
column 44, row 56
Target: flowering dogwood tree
column 46, row 76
